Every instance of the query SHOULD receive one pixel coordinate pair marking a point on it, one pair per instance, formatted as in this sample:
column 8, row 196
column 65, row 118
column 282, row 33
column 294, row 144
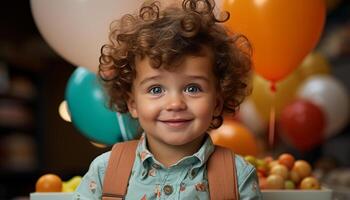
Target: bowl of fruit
column 288, row 179
column 51, row 187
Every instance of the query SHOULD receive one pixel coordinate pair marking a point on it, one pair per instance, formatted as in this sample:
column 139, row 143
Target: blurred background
column 35, row 139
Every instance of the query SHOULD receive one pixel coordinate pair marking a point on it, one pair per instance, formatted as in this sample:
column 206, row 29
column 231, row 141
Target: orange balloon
column 282, row 33
column 235, row 136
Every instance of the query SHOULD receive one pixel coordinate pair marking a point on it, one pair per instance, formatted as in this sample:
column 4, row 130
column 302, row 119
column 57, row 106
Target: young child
column 177, row 71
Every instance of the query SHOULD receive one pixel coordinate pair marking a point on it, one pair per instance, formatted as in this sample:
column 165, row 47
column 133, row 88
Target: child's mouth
column 176, row 123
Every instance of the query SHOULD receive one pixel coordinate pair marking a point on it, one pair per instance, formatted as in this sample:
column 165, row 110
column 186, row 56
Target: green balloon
column 90, row 114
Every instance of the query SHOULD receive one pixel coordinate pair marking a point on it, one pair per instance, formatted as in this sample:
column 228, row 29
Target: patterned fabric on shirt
column 150, row 180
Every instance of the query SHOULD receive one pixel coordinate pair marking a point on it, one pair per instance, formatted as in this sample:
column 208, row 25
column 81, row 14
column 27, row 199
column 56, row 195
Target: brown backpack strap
column 118, row 171
column 222, row 175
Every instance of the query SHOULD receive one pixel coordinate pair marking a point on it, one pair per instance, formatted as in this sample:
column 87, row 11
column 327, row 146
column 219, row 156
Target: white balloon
column 332, row 97
column 76, row 29
column 250, row 117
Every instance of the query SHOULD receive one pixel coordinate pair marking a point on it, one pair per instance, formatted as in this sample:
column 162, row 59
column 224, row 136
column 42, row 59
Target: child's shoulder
column 101, row 161
column 244, row 170
column 243, row 167
column 240, row 161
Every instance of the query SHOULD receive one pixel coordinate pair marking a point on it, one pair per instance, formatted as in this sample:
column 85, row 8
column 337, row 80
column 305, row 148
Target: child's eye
column 193, row 89
column 156, row 90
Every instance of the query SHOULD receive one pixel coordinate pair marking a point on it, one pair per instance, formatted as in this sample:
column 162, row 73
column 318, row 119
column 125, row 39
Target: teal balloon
column 88, row 106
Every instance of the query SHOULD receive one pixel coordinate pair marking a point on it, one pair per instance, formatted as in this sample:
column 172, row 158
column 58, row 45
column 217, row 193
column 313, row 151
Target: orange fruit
column 287, row 160
column 49, row 183
column 274, row 181
column 310, row 183
column 303, row 168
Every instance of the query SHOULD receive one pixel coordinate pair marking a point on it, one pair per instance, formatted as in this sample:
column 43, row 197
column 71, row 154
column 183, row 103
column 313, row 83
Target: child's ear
column 132, row 106
column 219, row 105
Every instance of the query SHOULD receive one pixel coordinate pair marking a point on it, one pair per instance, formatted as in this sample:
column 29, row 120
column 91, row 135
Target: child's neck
column 169, row 155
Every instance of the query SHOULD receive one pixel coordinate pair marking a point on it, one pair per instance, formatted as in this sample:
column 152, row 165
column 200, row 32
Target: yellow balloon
column 314, row 63
column 264, row 99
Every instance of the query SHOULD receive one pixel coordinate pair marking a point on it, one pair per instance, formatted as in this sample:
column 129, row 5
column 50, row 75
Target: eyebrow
column 148, row 79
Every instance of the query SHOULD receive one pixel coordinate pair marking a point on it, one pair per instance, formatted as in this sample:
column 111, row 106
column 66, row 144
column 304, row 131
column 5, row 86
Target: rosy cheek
column 148, row 110
column 203, row 109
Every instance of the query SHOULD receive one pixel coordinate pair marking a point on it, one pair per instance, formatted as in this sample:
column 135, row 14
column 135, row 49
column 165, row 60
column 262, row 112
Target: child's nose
column 176, row 103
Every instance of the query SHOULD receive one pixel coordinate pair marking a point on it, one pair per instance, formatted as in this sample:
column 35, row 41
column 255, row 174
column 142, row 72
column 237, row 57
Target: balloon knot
column 273, row 86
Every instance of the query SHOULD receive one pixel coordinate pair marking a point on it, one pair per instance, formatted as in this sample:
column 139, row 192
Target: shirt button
column 192, row 174
column 168, row 189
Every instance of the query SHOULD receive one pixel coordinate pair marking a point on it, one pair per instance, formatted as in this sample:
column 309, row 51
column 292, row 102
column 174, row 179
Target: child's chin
column 179, row 141
column 176, row 142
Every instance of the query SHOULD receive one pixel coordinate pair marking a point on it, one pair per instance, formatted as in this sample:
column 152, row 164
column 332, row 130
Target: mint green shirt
column 150, row 180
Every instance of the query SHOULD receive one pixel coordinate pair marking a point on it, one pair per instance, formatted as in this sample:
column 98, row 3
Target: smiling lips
column 176, row 123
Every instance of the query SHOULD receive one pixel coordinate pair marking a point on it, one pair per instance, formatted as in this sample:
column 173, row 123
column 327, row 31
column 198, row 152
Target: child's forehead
column 186, row 66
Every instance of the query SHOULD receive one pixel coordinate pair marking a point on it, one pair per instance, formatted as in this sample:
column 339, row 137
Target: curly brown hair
column 168, row 35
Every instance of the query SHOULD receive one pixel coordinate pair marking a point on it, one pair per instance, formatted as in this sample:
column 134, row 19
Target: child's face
column 175, row 107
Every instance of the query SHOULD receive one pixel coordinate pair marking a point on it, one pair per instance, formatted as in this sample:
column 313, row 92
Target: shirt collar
column 142, row 151
column 205, row 151
column 197, row 160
